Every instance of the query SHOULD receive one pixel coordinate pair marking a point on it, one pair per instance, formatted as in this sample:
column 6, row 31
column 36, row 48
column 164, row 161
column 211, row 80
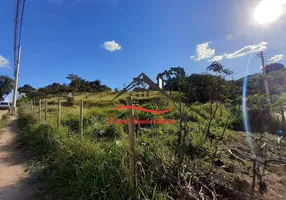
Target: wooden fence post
column 81, row 118
column 40, row 109
column 32, row 106
column 132, row 154
column 253, row 176
column 59, row 113
column 46, row 109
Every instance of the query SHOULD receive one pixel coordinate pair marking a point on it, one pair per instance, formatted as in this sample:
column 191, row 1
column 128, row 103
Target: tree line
column 203, row 87
column 77, row 84
column 211, row 85
column 216, row 85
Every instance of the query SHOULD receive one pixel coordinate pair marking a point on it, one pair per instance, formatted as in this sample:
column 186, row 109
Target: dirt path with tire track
column 14, row 183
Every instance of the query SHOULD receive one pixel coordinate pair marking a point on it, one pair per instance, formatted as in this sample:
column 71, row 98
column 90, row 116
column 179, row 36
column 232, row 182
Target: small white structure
column 22, row 94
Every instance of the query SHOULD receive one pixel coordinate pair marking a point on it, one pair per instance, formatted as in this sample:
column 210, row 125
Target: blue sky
column 116, row 40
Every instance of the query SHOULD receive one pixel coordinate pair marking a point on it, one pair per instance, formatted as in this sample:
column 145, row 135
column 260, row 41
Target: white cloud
column 228, row 37
column 242, row 52
column 111, row 46
column 247, row 50
column 4, row 62
column 217, row 58
column 203, row 52
column 276, row 58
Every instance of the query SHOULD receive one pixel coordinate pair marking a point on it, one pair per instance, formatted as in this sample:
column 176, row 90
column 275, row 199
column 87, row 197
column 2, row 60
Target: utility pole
column 16, row 59
column 16, row 32
column 16, row 81
column 265, row 77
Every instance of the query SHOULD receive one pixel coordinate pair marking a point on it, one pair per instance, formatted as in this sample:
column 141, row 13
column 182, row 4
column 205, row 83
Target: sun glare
column 268, row 11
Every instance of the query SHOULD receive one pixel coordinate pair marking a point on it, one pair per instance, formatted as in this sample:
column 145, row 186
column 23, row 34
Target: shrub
column 72, row 122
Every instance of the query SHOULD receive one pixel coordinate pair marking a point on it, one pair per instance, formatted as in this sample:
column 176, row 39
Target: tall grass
column 4, row 120
column 95, row 166
column 77, row 167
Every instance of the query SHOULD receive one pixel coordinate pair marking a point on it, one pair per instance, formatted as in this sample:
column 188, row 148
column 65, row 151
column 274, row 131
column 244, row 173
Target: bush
column 72, row 122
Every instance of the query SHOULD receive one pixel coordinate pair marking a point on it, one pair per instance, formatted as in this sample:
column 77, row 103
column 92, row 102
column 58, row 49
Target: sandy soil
column 14, row 183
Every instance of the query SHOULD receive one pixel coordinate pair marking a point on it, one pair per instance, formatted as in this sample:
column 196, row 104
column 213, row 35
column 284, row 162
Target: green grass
column 106, row 97
column 96, row 167
column 77, row 167
column 4, row 120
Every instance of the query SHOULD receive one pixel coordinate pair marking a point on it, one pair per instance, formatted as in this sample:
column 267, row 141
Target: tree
column 273, row 67
column 73, row 77
column 6, row 86
column 218, row 68
column 56, row 86
column 84, row 86
column 174, row 77
column 75, row 81
column 95, row 85
column 26, row 87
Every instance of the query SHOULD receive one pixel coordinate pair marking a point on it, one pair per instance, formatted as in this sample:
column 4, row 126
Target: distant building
column 23, row 93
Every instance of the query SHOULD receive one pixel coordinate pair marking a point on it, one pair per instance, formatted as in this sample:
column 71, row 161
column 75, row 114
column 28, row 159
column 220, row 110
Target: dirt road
column 14, row 184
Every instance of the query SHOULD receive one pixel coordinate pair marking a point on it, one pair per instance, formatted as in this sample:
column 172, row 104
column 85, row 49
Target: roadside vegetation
column 205, row 155
column 4, row 120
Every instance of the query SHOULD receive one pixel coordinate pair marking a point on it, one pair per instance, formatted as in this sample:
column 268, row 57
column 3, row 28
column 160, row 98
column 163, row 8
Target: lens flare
column 244, row 106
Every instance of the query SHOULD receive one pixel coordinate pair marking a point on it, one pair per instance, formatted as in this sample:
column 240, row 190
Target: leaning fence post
column 40, row 109
column 132, row 159
column 46, row 109
column 59, row 113
column 81, row 118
